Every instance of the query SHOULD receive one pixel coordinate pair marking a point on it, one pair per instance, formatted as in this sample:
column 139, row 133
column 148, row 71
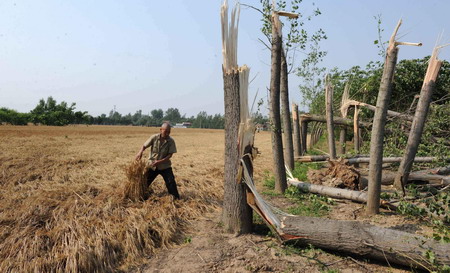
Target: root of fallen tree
column 339, row 175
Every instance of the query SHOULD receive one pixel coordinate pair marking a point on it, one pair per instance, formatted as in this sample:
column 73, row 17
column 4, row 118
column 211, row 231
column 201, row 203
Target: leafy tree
column 13, row 117
column 50, row 113
column 173, row 115
column 157, row 114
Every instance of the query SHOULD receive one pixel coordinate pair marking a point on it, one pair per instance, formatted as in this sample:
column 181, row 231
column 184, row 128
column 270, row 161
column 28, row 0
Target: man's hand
column 156, row 162
column 139, row 154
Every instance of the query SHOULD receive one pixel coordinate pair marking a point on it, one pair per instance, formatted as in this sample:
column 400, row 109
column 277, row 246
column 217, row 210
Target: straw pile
column 135, row 188
column 62, row 207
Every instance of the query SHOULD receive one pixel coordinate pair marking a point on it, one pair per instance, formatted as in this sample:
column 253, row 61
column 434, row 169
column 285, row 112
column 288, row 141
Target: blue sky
column 160, row 54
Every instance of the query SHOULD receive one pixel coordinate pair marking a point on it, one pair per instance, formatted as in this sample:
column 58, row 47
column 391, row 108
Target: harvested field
column 62, row 207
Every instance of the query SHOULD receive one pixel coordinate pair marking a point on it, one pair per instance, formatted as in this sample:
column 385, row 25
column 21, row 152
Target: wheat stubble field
column 61, row 205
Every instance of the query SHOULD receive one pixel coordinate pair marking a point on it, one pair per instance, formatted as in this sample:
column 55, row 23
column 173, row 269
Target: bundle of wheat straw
column 136, row 187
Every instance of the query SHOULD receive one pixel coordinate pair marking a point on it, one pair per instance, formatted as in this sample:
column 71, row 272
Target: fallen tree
column 363, row 159
column 336, row 120
column 393, row 159
column 388, row 179
column 392, row 246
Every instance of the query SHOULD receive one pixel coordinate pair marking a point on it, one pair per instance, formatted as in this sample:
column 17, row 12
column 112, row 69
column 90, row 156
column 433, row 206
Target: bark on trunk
column 342, row 134
column 297, row 141
column 418, row 124
column 284, row 89
column 304, row 135
column 366, row 240
column 277, row 143
column 377, row 136
column 356, row 131
column 330, row 123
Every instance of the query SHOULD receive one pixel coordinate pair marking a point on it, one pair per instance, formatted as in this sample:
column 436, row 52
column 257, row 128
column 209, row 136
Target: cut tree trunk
column 277, row 143
column 284, row 90
column 330, row 123
column 236, row 214
column 418, row 124
column 379, row 121
column 297, row 141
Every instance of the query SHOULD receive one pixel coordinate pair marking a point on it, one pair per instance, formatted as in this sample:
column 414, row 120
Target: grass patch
column 301, row 169
column 269, row 180
column 308, row 204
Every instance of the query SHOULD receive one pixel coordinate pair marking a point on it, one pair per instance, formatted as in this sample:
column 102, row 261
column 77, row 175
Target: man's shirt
column 161, row 148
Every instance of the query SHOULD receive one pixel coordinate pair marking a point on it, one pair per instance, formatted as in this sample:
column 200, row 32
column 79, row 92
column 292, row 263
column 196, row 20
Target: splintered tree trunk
column 284, row 89
column 297, row 141
column 379, row 120
column 277, row 143
column 342, row 134
column 418, row 124
column 330, row 123
column 236, row 214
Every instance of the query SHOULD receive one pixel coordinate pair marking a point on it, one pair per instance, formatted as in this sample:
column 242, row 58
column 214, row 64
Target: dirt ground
column 36, row 157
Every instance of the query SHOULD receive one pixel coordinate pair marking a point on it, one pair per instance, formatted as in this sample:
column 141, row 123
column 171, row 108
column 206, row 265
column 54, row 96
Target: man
column 162, row 149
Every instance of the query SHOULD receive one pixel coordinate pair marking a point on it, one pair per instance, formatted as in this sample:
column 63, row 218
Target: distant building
column 182, row 125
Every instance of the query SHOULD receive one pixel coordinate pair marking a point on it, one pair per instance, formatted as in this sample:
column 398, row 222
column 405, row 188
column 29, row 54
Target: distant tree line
column 49, row 112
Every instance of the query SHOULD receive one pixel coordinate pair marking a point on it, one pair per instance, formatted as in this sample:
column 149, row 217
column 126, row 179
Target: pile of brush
column 136, row 186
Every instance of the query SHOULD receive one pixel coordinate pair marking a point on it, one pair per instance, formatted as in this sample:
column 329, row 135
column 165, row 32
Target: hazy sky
column 160, row 54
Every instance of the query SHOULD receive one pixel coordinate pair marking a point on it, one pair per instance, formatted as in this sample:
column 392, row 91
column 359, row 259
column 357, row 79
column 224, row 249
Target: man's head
column 165, row 130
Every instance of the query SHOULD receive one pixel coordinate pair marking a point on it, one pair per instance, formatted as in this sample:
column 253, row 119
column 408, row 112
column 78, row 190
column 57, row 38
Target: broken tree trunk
column 277, row 143
column 357, row 196
column 304, row 135
column 391, row 159
column 389, row 113
column 342, row 134
column 388, row 179
column 329, row 112
column 392, row 246
column 236, row 214
column 356, row 131
column 379, row 120
column 315, row 158
column 297, row 141
column 336, row 120
column 284, row 90
column 420, row 116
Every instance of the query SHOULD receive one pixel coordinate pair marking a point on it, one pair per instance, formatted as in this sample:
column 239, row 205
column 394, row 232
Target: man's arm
column 139, row 154
column 147, row 144
column 165, row 159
